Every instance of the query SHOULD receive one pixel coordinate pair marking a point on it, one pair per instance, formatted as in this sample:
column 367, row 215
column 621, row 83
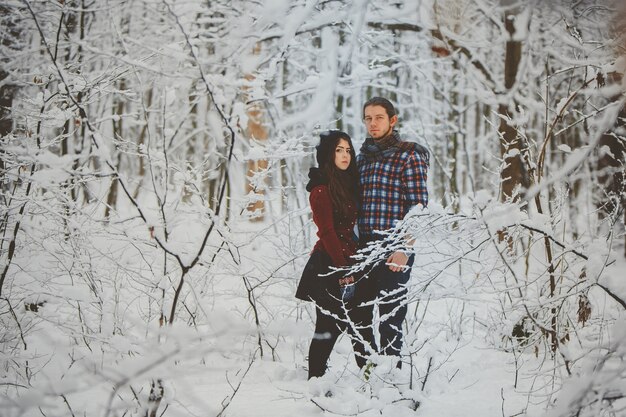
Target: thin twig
column 430, row 362
column 19, row 326
column 613, row 295
column 228, row 400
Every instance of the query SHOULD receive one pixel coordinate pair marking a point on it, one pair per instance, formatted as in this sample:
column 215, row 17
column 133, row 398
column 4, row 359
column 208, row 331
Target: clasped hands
column 396, row 262
column 346, row 281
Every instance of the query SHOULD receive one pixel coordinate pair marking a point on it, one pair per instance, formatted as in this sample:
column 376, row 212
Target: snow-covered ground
column 238, row 346
column 96, row 343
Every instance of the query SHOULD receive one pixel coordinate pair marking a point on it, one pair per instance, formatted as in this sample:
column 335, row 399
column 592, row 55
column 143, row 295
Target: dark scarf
column 316, row 177
column 378, row 149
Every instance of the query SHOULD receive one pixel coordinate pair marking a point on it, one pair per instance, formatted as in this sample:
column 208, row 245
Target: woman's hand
column 346, row 281
column 346, row 288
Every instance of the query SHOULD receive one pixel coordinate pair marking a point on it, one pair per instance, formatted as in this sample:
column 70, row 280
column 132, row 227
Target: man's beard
column 384, row 135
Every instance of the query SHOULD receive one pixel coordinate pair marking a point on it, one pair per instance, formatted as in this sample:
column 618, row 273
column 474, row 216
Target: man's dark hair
column 383, row 102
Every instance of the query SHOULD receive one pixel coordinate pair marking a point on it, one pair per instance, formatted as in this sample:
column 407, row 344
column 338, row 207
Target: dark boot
column 326, row 334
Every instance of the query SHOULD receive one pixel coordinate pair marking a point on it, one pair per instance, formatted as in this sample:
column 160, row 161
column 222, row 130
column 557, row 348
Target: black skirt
column 317, row 283
column 320, row 285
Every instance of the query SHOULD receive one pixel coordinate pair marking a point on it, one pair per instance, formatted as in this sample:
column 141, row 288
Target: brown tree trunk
column 155, row 397
column 453, row 145
column 118, row 132
column 611, row 171
column 7, row 89
column 512, row 146
column 611, row 165
column 256, row 130
column 141, row 141
column 67, row 146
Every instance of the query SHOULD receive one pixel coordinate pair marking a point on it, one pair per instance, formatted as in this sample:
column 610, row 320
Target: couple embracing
column 375, row 190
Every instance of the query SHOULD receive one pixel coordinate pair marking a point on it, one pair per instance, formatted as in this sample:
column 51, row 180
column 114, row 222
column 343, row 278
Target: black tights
column 327, row 331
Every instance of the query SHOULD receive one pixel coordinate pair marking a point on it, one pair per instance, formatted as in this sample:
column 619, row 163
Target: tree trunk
column 7, row 89
column 512, row 146
column 118, row 132
column 611, row 172
column 256, row 130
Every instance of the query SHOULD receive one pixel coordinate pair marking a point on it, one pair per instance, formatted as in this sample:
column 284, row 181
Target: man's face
column 377, row 121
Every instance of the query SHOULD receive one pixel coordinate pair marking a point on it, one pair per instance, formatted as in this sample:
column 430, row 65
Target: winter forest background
column 154, row 221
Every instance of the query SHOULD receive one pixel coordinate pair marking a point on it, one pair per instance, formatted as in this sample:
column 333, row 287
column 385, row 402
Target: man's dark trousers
column 392, row 305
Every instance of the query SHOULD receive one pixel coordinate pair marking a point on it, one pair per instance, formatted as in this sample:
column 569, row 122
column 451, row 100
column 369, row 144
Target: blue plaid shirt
column 389, row 188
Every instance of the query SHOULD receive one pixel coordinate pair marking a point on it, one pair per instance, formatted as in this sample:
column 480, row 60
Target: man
column 393, row 180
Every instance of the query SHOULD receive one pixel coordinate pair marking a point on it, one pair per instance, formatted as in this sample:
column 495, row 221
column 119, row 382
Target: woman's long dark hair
column 343, row 186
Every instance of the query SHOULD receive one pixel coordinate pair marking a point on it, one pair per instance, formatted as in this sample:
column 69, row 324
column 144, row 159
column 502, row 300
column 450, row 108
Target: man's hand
column 397, row 261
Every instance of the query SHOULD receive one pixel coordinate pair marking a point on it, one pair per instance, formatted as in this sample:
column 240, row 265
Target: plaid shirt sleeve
column 414, row 177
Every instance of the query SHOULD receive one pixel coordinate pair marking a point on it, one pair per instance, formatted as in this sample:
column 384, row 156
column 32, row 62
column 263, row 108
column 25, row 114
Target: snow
column 521, row 24
column 561, row 106
column 55, row 117
column 195, row 363
column 598, row 253
column 186, row 286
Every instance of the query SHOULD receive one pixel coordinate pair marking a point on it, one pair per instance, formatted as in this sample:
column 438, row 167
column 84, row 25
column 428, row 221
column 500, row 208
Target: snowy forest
column 155, row 222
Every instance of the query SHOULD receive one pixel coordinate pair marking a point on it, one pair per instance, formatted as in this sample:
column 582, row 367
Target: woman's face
column 342, row 155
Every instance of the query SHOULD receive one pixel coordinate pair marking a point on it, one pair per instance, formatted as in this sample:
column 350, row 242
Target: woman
column 333, row 197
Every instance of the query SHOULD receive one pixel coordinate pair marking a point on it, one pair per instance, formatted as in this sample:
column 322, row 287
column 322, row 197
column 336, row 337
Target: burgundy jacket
column 333, row 230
